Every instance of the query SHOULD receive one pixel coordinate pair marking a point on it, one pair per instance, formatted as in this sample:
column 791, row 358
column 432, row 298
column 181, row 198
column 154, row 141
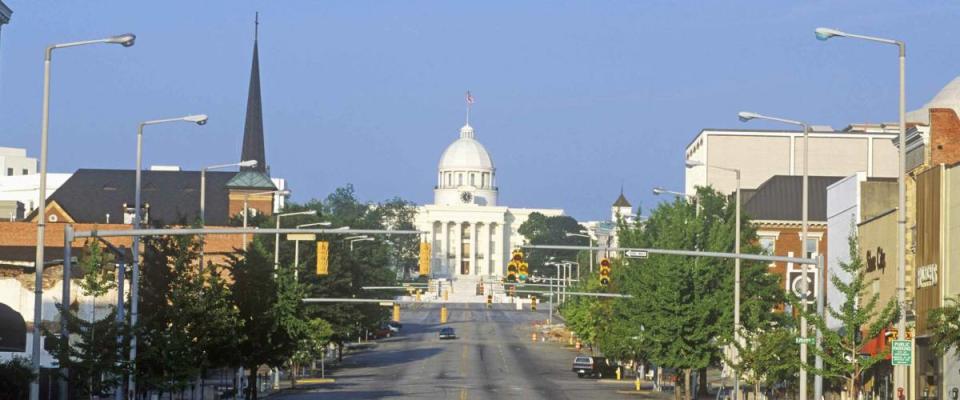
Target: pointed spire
column 253, row 148
column 622, row 200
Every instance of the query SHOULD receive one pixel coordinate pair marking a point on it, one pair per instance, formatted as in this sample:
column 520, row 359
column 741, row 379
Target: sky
column 574, row 99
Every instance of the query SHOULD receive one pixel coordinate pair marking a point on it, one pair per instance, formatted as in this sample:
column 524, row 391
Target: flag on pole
column 469, row 98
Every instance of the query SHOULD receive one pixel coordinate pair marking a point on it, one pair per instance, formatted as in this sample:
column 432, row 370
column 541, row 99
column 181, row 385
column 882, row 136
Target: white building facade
column 470, row 234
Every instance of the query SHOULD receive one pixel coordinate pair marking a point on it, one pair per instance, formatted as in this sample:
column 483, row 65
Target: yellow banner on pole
column 424, row 258
column 323, row 249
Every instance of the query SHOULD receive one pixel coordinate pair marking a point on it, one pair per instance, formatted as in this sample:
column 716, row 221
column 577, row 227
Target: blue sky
column 573, row 98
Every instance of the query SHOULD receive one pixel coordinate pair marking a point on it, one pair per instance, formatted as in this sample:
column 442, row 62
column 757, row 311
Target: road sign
column 636, row 254
column 902, row 352
column 302, row 236
column 800, row 340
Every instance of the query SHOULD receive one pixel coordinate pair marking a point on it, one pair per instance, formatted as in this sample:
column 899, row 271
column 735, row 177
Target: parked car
column 395, row 326
column 593, row 367
column 447, row 333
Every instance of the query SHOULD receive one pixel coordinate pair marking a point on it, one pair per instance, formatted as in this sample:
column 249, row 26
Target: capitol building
column 470, row 233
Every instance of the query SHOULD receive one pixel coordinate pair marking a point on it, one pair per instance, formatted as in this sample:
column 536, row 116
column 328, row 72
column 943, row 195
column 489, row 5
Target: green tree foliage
column 267, row 334
column 685, row 304
column 861, row 318
column 188, row 323
column 92, row 357
column 944, row 325
column 541, row 229
column 369, row 264
column 15, row 377
column 770, row 358
column 312, row 344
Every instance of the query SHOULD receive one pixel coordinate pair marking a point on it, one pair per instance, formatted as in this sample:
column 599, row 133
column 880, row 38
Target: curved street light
column 900, row 374
column 126, row 40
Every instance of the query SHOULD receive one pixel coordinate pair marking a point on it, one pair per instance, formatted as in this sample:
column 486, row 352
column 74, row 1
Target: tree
column 167, row 351
column 92, row 359
column 312, row 343
column 265, row 334
column 15, row 377
column 541, row 229
column 944, row 325
column 685, row 304
column 769, row 357
column 861, row 318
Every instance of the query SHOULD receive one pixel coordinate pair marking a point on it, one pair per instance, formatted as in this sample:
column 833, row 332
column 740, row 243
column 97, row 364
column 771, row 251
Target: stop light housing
column 323, row 257
column 521, row 266
column 604, row 272
column 424, row 258
column 513, row 268
column 533, row 303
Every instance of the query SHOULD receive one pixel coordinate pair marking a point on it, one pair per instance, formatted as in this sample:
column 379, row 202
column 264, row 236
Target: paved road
column 493, row 358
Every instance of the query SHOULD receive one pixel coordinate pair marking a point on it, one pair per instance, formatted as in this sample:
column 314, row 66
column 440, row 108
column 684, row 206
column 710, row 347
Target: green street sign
column 901, row 352
column 800, row 340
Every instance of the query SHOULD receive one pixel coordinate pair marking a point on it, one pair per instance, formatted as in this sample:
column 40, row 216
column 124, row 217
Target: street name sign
column 636, row 253
column 809, row 340
column 302, row 236
column 901, row 352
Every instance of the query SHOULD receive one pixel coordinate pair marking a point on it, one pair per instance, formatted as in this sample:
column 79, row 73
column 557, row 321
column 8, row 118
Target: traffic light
column 424, row 258
column 517, row 260
column 513, row 268
column 489, row 300
column 533, row 303
column 323, row 260
column 604, row 272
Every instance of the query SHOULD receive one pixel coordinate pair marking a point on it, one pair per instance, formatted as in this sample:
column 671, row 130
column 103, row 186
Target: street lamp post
column 900, row 375
column 296, row 249
column 126, row 40
column 203, row 194
column 199, row 119
column 736, row 268
column 818, row 382
column 585, row 234
column 353, row 239
column 246, row 206
column 276, row 240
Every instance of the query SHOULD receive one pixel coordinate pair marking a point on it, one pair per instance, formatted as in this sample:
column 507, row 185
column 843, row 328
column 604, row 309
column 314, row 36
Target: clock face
column 466, row 197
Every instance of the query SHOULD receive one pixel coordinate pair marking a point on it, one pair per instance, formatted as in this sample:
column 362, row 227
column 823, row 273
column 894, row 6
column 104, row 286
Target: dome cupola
column 466, row 172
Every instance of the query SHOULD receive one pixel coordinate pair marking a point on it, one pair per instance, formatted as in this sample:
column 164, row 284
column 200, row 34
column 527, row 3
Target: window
column 24, row 171
column 460, row 179
column 473, row 179
column 768, row 244
column 9, row 171
column 811, row 248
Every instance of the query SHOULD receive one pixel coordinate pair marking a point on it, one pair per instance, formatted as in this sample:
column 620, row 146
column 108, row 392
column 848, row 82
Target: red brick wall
column 944, row 136
column 789, row 241
column 24, row 234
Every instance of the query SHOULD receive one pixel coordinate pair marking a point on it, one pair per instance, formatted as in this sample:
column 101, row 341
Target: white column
column 485, row 247
column 457, row 239
column 499, row 236
column 444, row 246
column 474, row 233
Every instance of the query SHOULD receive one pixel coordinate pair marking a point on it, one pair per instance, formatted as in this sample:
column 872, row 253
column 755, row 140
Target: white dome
column 948, row 97
column 466, row 153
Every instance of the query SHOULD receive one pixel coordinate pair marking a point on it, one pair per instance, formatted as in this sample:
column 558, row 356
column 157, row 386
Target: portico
column 470, row 235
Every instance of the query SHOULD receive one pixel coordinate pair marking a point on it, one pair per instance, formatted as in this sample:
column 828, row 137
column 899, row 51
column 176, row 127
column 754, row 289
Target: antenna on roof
column 256, row 26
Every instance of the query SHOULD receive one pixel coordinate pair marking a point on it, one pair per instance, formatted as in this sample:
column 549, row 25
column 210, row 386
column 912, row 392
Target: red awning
column 876, row 345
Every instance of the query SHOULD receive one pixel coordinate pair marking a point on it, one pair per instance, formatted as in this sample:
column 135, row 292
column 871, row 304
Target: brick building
column 775, row 209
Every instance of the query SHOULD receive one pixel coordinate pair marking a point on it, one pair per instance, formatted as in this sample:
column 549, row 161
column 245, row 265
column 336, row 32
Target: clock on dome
column 466, row 197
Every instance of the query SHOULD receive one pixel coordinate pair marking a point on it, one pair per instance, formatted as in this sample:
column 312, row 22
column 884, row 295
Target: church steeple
column 253, row 148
